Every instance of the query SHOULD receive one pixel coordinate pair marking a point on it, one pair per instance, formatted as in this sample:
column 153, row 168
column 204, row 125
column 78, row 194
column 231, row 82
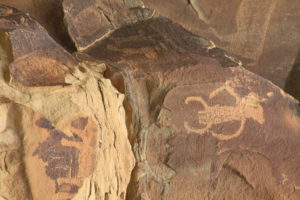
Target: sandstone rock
column 49, row 13
column 62, row 124
column 197, row 124
column 90, row 21
column 264, row 35
column 202, row 126
column 37, row 59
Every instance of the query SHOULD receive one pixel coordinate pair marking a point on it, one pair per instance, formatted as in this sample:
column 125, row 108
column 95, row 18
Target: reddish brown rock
column 67, row 139
column 48, row 13
column 200, row 125
column 203, row 127
column 39, row 61
column 92, row 20
column 264, row 35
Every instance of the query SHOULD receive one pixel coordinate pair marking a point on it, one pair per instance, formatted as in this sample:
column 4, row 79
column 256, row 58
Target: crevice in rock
column 6, row 56
column 55, row 25
column 117, row 80
column 236, row 172
column 17, row 121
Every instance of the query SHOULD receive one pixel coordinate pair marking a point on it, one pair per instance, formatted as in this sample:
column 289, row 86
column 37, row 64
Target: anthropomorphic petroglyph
column 62, row 160
column 247, row 107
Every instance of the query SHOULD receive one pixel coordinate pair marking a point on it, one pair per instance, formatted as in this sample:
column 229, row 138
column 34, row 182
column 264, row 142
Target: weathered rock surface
column 62, row 124
column 92, row 20
column 202, row 127
column 196, row 124
column 49, row 13
column 264, row 35
column 27, row 42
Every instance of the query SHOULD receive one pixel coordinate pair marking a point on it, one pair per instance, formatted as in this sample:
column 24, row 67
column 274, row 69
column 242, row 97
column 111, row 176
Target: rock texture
column 92, row 20
column 145, row 109
column 49, row 13
column 264, row 35
column 202, row 126
column 63, row 139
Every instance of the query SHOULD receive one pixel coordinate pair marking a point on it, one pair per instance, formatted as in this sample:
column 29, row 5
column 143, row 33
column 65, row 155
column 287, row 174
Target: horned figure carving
column 247, row 107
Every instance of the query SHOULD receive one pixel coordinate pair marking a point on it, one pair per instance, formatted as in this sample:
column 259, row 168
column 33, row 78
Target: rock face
column 90, row 21
column 143, row 110
column 49, row 13
column 63, row 139
column 264, row 35
column 49, row 62
column 203, row 127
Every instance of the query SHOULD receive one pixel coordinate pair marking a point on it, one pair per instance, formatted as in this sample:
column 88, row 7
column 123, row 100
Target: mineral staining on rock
column 66, row 158
column 103, row 17
column 251, row 30
column 200, row 125
column 66, row 121
column 206, row 128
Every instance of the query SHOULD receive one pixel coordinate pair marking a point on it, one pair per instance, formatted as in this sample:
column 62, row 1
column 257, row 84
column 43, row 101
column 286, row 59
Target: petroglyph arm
column 200, row 131
column 196, row 99
column 230, row 136
column 227, row 88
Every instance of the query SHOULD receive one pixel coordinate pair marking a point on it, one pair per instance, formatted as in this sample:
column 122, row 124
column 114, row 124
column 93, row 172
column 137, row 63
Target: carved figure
column 247, row 107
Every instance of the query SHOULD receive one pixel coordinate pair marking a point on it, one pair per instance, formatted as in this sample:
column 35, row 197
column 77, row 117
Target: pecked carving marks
column 247, row 107
column 212, row 110
column 62, row 161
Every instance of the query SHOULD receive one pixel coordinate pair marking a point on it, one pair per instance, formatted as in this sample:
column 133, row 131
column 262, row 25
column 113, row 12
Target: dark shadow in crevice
column 57, row 28
column 292, row 84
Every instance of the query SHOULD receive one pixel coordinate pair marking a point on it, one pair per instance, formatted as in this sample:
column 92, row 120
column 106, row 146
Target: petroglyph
column 62, row 161
column 247, row 107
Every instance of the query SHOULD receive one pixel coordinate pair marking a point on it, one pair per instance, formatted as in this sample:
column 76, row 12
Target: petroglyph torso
column 247, row 107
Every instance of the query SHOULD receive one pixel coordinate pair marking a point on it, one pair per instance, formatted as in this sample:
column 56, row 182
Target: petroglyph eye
column 44, row 123
column 80, row 123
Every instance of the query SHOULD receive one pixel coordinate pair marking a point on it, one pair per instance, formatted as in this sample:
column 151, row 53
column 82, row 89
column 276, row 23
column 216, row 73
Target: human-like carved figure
column 62, row 161
column 246, row 107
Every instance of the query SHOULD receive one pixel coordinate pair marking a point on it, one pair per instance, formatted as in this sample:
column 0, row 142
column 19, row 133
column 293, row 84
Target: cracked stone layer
column 92, row 20
column 67, row 141
column 48, row 13
column 202, row 129
column 39, row 61
column 264, row 35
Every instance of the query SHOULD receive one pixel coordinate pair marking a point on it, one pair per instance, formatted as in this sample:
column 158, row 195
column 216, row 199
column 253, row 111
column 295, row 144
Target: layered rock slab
column 202, row 127
column 48, row 13
column 92, row 20
column 63, row 139
column 264, row 35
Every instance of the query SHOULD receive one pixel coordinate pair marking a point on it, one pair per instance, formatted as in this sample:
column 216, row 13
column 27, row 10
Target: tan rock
column 67, row 141
column 200, row 126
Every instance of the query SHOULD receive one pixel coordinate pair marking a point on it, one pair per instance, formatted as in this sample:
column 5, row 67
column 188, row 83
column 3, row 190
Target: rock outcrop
column 63, row 132
column 202, row 126
column 264, row 35
column 144, row 109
